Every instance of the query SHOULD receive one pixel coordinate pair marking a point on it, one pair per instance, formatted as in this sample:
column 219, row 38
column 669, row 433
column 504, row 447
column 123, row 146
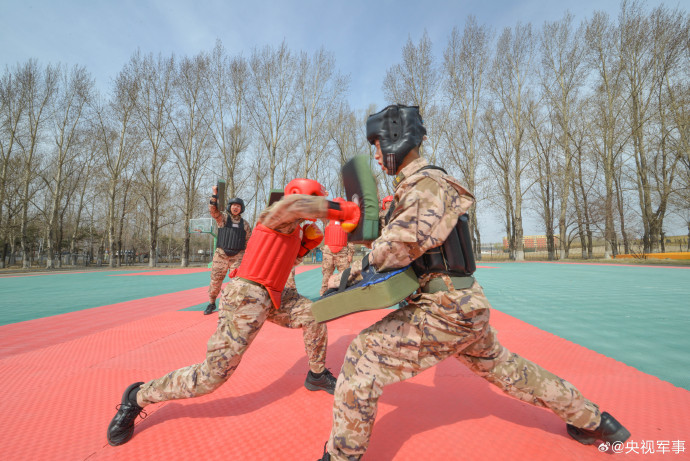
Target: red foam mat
column 58, row 399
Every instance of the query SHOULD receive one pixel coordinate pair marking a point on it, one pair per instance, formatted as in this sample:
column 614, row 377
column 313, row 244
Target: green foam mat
column 32, row 297
column 637, row 315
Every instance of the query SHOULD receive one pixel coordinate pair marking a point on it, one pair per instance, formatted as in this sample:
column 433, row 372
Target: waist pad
column 376, row 290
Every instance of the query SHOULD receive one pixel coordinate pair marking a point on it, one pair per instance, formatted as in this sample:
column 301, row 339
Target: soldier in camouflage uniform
column 337, row 251
column 233, row 235
column 447, row 317
column 258, row 293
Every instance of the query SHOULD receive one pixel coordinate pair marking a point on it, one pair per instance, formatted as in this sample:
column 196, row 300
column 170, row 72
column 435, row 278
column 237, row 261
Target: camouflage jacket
column 427, row 206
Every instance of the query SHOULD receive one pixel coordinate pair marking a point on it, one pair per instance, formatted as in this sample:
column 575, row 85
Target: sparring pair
column 448, row 316
column 257, row 293
column 233, row 235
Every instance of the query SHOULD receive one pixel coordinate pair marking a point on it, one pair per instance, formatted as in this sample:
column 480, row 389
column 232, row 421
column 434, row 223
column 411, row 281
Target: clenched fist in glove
column 311, row 237
column 346, row 212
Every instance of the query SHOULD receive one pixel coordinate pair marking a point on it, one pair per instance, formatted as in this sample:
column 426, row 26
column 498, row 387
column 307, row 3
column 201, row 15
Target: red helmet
column 306, row 187
column 385, row 201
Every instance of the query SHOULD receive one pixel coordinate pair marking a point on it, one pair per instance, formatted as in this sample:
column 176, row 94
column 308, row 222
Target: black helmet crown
column 399, row 129
column 238, row 201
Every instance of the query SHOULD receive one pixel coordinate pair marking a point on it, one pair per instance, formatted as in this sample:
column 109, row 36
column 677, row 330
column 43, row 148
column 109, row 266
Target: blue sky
column 365, row 36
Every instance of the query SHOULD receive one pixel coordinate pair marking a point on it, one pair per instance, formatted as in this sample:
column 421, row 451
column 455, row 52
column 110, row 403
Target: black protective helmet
column 237, row 200
column 399, row 129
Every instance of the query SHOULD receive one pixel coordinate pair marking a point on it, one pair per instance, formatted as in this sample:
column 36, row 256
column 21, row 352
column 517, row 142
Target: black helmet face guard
column 238, row 201
column 399, row 129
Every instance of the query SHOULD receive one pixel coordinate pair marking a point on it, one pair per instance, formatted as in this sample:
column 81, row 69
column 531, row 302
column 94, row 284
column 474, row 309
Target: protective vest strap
column 454, row 257
column 269, row 258
column 335, row 237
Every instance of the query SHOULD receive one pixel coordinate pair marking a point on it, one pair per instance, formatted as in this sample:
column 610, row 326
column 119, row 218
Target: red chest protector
column 269, row 259
column 335, row 237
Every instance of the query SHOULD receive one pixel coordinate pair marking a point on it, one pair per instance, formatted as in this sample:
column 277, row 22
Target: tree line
column 585, row 124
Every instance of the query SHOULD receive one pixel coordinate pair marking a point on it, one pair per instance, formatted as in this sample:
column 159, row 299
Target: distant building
column 532, row 242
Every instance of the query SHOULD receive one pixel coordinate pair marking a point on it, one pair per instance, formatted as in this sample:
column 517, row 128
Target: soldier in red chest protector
column 337, row 252
column 255, row 295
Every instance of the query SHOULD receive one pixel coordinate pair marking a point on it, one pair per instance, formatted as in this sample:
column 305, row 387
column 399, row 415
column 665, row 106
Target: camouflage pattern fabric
column 222, row 263
column 433, row 326
column 244, row 307
column 340, row 260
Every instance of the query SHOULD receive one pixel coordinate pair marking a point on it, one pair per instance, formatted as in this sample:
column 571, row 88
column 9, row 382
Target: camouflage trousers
column 244, row 307
column 222, row 264
column 330, row 262
column 431, row 328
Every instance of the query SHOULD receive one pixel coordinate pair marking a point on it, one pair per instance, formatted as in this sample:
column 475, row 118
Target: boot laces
column 130, row 413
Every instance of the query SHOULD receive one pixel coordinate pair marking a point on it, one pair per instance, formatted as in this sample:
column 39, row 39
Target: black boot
column 121, row 428
column 210, row 308
column 326, row 455
column 324, row 381
column 609, row 430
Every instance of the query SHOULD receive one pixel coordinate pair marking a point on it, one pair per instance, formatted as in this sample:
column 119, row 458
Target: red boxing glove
column 311, row 237
column 346, row 212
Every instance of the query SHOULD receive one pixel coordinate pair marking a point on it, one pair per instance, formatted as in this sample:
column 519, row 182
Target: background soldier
column 233, row 235
column 337, row 251
column 255, row 295
column 448, row 316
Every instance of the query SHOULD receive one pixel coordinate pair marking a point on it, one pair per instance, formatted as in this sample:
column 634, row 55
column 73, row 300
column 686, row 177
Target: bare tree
column 152, row 108
column 81, row 183
column 229, row 81
column 650, row 47
column 585, row 177
column 72, row 96
column 510, row 88
column 607, row 100
column 344, row 129
column 544, row 141
column 501, row 165
column 466, row 62
column 271, row 102
column 12, row 107
column 562, row 74
column 117, row 143
column 192, row 125
column 415, row 82
column 38, row 86
column 319, row 91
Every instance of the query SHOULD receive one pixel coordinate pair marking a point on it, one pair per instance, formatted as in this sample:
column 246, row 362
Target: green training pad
column 366, row 298
column 220, row 203
column 275, row 195
column 360, row 187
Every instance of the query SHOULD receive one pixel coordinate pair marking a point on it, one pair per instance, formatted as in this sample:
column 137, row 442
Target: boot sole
column 621, row 435
column 311, row 387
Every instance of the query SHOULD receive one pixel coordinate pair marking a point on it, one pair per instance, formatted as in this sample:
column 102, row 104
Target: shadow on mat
column 456, row 395
column 247, row 403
